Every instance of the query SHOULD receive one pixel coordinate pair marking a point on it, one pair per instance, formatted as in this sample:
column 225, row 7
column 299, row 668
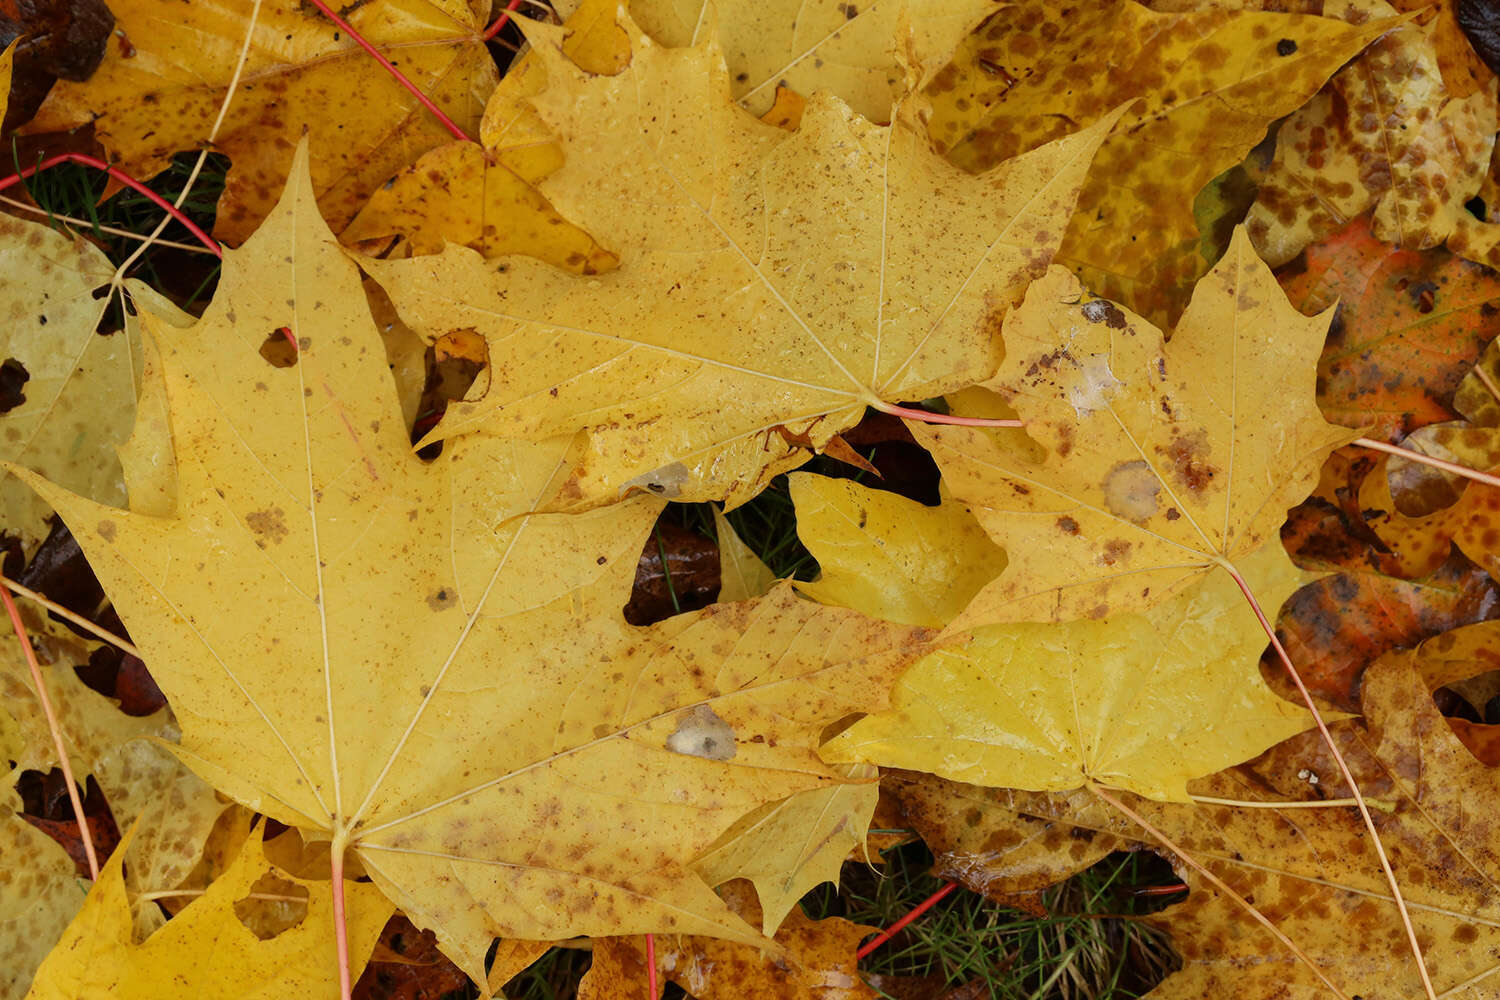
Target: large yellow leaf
column 161, row 93
column 1143, row 701
column 1209, row 84
column 206, row 952
column 1163, row 461
column 359, row 645
column 766, row 279
column 1385, row 132
column 890, row 557
column 850, row 49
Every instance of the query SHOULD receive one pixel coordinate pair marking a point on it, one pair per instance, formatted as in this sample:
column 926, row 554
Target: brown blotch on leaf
column 106, row 530
column 269, row 524
column 442, row 599
column 278, row 349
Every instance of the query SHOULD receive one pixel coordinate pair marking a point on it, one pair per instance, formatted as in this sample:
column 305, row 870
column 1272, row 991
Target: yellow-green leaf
column 1142, row 701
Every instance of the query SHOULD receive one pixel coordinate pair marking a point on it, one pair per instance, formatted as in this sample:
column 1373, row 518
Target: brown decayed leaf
column 162, row 94
column 1161, row 460
column 1383, row 132
column 1408, row 326
column 1336, row 627
column 778, row 280
column 54, row 38
column 360, row 651
column 815, row 961
column 998, row 859
column 1209, row 83
column 1311, row 870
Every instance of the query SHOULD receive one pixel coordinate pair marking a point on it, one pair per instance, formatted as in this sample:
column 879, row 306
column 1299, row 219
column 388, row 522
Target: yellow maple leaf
column 890, row 557
column 1383, row 132
column 161, row 93
column 1162, row 462
column 483, row 194
column 1209, row 82
column 853, row 49
column 1143, row 701
column 767, row 280
column 360, row 645
column 206, row 952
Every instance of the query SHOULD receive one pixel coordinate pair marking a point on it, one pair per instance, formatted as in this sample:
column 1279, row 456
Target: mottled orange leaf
column 1409, row 325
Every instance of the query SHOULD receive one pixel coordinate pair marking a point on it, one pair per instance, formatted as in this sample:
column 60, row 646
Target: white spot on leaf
column 701, row 733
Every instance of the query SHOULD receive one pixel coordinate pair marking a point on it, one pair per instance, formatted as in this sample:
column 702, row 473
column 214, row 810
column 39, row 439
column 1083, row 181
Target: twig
column 76, row 619
column 56, row 730
column 1436, row 463
column 1217, row 883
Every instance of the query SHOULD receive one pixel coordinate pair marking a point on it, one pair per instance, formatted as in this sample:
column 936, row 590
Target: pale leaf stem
column 55, row 729
column 1217, row 883
column 1338, row 757
column 928, row 417
column 76, row 619
column 1436, row 463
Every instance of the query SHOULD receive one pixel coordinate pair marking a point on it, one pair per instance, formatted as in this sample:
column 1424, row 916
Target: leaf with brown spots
column 1209, row 82
column 483, row 194
column 140, row 778
column 771, row 284
column 1312, row 870
column 417, row 667
column 162, row 93
column 67, row 393
column 856, row 49
column 1158, row 462
column 1385, row 132
column 1408, row 327
column 1336, row 627
column 815, row 961
column 1420, row 543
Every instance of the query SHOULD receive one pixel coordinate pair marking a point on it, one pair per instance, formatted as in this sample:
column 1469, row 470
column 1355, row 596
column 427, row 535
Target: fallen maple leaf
column 767, row 280
column 483, row 194
column 205, row 952
column 140, row 778
column 1383, row 132
column 1162, row 461
column 890, row 557
column 849, row 49
column 162, row 93
column 360, row 645
column 817, row 962
column 1408, row 327
column 1144, row 701
column 1209, row 82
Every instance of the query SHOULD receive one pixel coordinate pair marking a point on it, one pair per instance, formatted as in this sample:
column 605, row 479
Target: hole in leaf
column 1477, row 208
column 278, row 349
column 13, row 378
column 274, row 905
